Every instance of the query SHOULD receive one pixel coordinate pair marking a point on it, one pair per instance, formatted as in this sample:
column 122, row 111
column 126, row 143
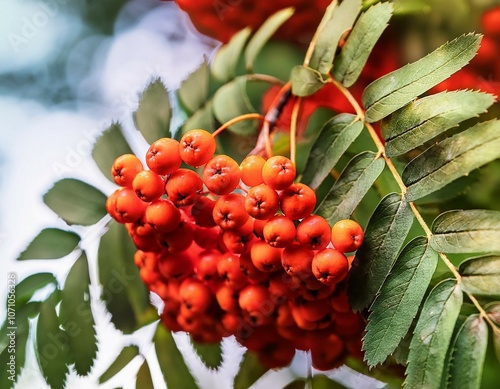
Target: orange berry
column 279, row 231
column 197, row 147
column 221, row 175
column 255, row 302
column 162, row 215
column 229, row 211
column 202, row 212
column 330, row 266
column 194, row 295
column 297, row 201
column 347, row 235
column 163, row 156
column 125, row 168
column 297, row 260
column 265, row 257
column 183, row 187
column 251, row 170
column 229, row 270
column 314, row 233
column 262, row 202
column 278, row 172
column 128, row 208
column 148, row 185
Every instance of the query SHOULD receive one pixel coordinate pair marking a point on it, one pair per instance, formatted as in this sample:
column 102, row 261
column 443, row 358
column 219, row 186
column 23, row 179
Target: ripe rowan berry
column 265, row 257
column 163, row 156
column 183, row 187
column 251, row 170
column 207, row 238
column 347, row 235
column 202, row 212
column 490, row 21
column 255, row 302
column 250, row 270
column 296, row 260
column 194, row 295
column 279, row 231
column 125, row 168
column 258, row 228
column 262, row 202
column 206, row 266
column 278, row 172
column 297, row 201
column 230, row 272
column 229, row 211
column 237, row 241
column 227, row 298
column 197, row 147
column 128, row 208
column 330, row 266
column 148, row 185
column 221, row 175
column 179, row 239
column 314, row 232
column 175, row 266
column 162, row 215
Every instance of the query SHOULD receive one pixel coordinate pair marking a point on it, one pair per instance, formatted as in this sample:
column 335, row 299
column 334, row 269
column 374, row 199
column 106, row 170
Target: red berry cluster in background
column 484, row 70
column 221, row 19
column 236, row 250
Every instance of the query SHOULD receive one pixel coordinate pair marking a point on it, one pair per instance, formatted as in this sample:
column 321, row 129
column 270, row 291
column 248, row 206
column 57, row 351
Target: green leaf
column 29, row 285
column 144, row 379
column 360, row 42
column 123, row 359
column 263, row 34
column 202, row 118
column 193, row 92
column 432, row 336
column 481, row 275
column 50, row 243
column 52, row 346
column 452, row 158
column 305, row 81
column 109, row 146
column 468, row 354
column 76, row 316
column 250, row 371
column 152, row 117
column 353, row 183
column 209, row 353
column 333, row 140
column 123, row 291
column 232, row 100
column 396, row 89
column 423, row 119
column 396, row 305
column 225, row 63
column 76, row 202
column 466, row 231
column 342, row 19
column 384, row 235
column 174, row 369
column 321, row 381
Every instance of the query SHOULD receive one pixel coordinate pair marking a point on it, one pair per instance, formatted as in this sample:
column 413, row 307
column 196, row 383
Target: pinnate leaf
column 76, row 316
column 467, row 354
column 123, row 359
column 50, row 243
column 396, row 89
column 152, row 117
column 348, row 191
column 174, row 369
column 432, row 336
column 397, row 303
column 481, row 275
column 193, row 92
column 333, row 140
column 305, row 81
column 466, row 231
column 423, row 119
column 144, row 379
column 225, row 64
column 76, row 202
column 360, row 42
column 209, row 353
column 29, row 285
column 452, row 158
column 250, row 371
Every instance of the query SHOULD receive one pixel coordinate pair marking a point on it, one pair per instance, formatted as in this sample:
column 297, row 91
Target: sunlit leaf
column 123, row 291
column 209, row 353
column 468, row 354
column 174, row 369
column 50, row 243
column 76, row 202
column 333, row 140
column 432, row 336
column 250, row 371
column 144, row 379
column 360, row 42
column 226, row 60
column 52, row 346
column 350, row 188
column 466, row 231
column 305, row 81
column 423, row 119
column 342, row 20
column 384, row 235
column 202, row 118
column 452, row 158
column 123, row 359
column 152, row 117
column 398, row 301
column 29, row 285
column 109, row 146
column 76, row 316
column 264, row 33
column 396, row 89
column 193, row 92
column 481, row 275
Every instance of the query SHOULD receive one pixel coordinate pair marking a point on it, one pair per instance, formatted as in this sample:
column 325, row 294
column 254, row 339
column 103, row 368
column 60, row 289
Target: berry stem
column 293, row 128
column 265, row 78
column 237, row 119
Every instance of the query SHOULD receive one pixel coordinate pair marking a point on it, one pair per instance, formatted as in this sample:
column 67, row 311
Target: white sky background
column 39, row 145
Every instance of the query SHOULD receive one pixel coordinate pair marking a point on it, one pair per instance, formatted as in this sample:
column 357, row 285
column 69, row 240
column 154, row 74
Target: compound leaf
column 209, row 353
column 250, row 371
column 225, row 62
column 466, row 231
column 50, row 243
column 397, row 303
column 29, row 285
column 193, row 92
column 144, row 379
column 123, row 359
column 423, row 119
column 396, row 89
column 432, row 336
column 481, row 275
column 384, row 235
column 348, row 191
column 305, row 81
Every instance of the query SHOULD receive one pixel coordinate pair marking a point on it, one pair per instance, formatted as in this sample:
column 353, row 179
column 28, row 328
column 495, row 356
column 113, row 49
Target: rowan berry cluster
column 236, row 250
